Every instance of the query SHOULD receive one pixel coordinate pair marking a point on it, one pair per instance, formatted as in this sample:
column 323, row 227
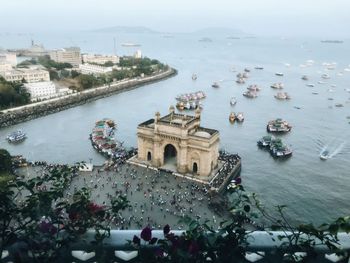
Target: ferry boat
column 240, row 81
column 282, row 96
column 278, row 125
column 324, row 155
column 215, row 85
column 233, row 101
column 232, row 117
column 278, row 85
column 16, row 137
column 102, row 139
column 265, row 141
column 240, row 117
column 250, row 94
column 279, row 149
column 254, row 88
column 198, row 95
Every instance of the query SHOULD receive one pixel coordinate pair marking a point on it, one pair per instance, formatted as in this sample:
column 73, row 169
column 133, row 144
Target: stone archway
column 170, row 154
column 149, row 156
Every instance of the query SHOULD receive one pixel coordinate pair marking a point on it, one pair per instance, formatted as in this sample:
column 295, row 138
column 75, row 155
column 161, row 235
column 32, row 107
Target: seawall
column 35, row 110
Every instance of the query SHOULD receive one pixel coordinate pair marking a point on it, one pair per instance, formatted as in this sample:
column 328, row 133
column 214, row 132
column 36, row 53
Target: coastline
column 28, row 112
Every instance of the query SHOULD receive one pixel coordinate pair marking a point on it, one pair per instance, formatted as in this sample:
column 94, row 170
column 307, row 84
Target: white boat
column 194, row 76
column 240, row 117
column 278, row 85
column 324, row 155
column 215, row 85
column 130, row 44
column 325, row 76
column 279, row 74
column 17, row 136
column 233, row 101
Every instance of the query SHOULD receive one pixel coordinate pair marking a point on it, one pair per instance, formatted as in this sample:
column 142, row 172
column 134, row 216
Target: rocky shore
column 28, row 112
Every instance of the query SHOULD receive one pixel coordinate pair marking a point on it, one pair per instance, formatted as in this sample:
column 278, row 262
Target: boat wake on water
column 332, row 149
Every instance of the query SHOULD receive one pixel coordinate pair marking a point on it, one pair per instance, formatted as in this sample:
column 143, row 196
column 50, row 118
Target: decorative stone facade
column 179, row 136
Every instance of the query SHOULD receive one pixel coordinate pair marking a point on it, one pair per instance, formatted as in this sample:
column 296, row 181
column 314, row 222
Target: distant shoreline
column 32, row 111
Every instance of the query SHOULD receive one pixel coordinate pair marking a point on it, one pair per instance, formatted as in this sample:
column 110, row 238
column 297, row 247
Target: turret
column 171, row 109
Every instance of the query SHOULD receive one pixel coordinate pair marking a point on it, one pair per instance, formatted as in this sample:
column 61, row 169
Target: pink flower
column 146, row 234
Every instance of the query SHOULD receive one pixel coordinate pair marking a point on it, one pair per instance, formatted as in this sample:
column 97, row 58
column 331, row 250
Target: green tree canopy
column 5, row 161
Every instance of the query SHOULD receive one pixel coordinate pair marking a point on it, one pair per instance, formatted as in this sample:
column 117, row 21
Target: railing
column 261, row 248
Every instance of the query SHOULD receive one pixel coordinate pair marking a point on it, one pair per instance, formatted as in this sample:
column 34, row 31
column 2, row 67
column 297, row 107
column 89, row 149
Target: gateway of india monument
column 178, row 141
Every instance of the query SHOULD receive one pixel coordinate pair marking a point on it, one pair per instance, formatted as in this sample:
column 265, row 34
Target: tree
column 74, row 73
column 86, row 81
column 109, row 64
column 5, row 161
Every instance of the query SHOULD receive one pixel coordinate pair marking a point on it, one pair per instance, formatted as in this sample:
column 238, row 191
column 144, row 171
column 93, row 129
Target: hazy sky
column 263, row 17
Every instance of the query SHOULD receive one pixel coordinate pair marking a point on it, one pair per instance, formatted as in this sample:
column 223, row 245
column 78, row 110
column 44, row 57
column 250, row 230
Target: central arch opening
column 170, row 155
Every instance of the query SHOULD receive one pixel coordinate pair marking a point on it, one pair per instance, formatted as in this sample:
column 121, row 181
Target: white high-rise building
column 138, row 54
column 69, row 55
column 6, row 57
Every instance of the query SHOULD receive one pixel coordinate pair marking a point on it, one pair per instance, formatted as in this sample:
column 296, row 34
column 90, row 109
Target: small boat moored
column 280, row 74
column 232, row 117
column 215, row 85
column 233, row 101
column 16, row 137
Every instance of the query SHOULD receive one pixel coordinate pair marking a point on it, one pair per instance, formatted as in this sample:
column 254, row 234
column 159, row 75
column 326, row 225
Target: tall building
column 7, row 57
column 45, row 90
column 5, row 66
column 29, row 75
column 138, row 54
column 69, row 55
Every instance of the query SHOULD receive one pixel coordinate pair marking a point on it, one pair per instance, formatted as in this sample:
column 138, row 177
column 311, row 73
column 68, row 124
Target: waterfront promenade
column 31, row 111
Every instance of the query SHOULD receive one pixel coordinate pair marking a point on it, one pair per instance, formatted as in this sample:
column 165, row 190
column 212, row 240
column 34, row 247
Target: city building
column 45, row 90
column 178, row 140
column 5, row 66
column 94, row 69
column 138, row 54
column 100, row 59
column 29, row 75
column 8, row 57
column 67, row 55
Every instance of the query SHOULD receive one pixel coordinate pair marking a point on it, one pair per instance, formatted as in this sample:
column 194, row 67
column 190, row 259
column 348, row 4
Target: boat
column 233, row 101
column 205, row 39
column 232, row 117
column 194, row 76
column 310, row 85
column 250, row 94
column 265, row 141
column 254, row 88
column 240, row 117
column 315, row 93
column 321, row 82
column 129, row 44
column 339, row 105
column 103, row 140
column 282, row 96
column 215, row 85
column 259, row 67
column 16, row 136
column 234, row 184
column 198, row 95
column 332, row 41
column 279, row 74
column 324, row 155
column 325, row 76
column 189, row 105
column 240, row 81
column 245, row 75
column 278, row 149
column 304, row 77
column 278, row 85
column 247, row 70
column 278, row 125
